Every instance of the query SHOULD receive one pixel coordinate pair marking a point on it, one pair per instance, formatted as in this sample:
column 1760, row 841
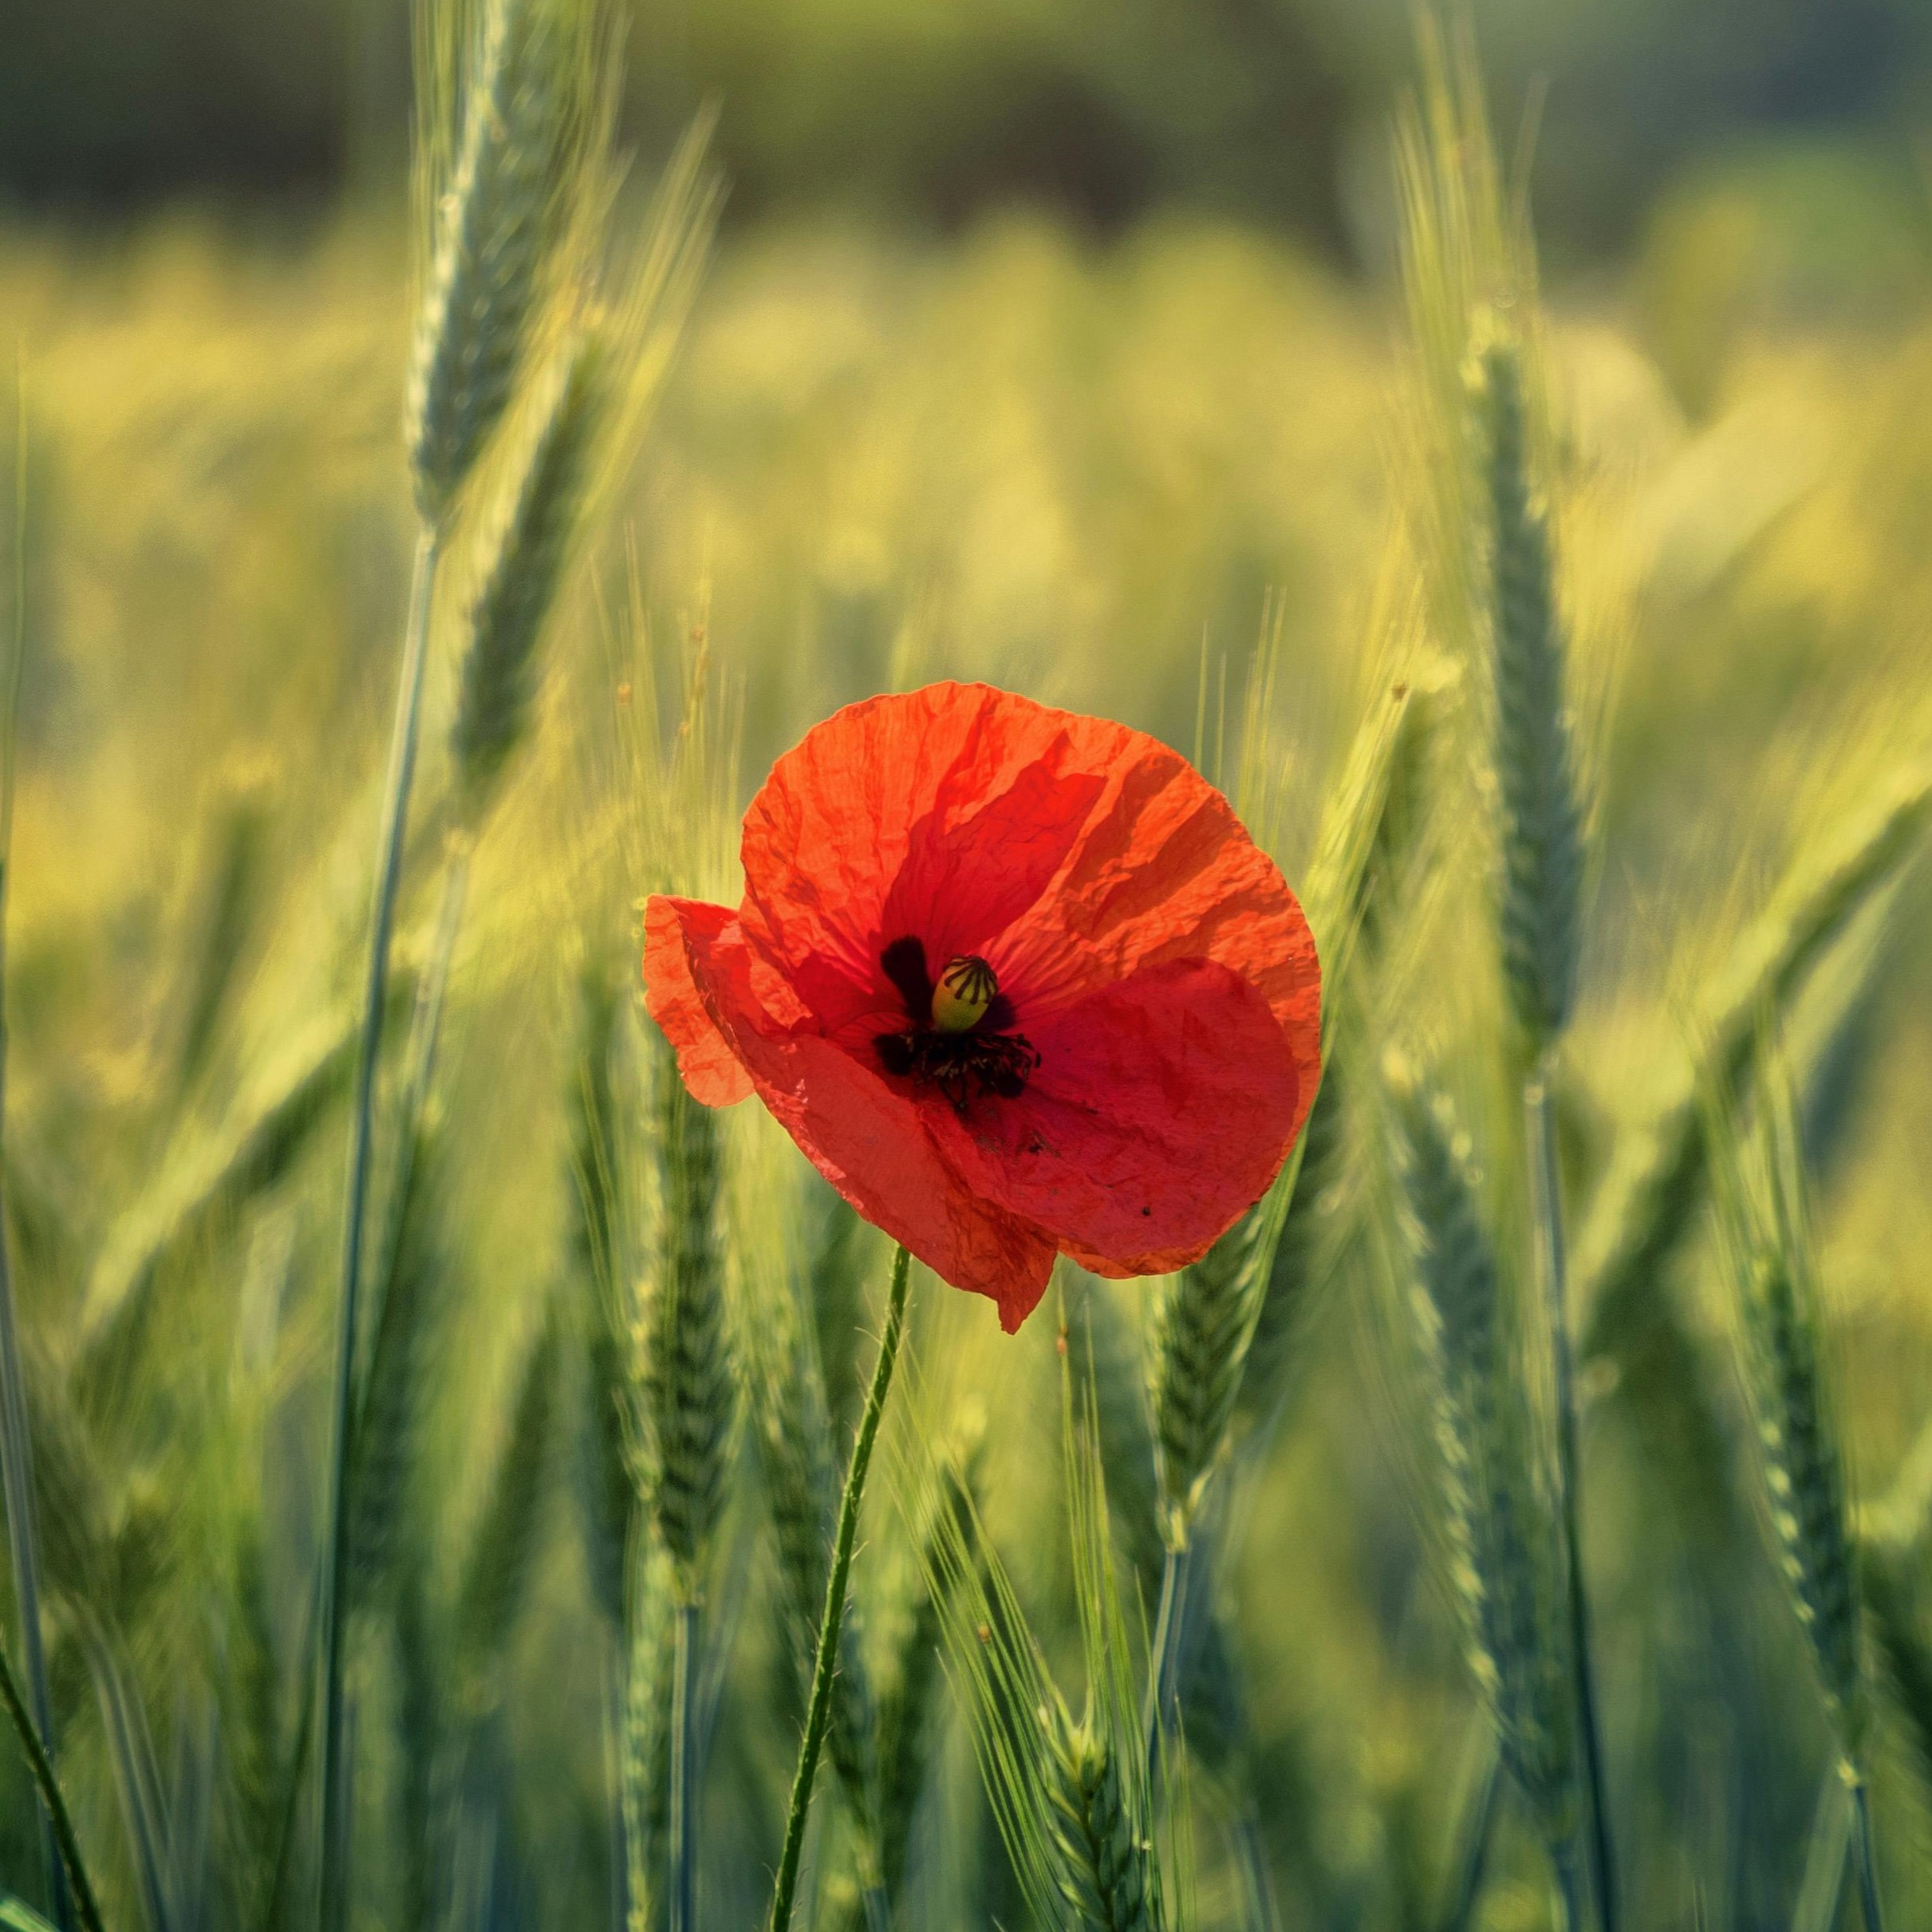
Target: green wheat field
column 1523, row 1518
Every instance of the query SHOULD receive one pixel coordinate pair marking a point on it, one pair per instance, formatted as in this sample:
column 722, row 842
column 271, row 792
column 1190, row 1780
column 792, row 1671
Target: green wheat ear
column 526, row 559
column 688, row 1391
column 1209, row 1315
column 1763, row 1220
column 535, row 110
column 1071, row 1795
column 1542, row 828
column 1506, row 1568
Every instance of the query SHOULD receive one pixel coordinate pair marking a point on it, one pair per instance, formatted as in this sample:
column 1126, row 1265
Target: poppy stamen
column 965, row 992
column 959, row 1040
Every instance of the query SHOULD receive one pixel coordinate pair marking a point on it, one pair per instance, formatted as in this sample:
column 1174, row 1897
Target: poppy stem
column 1546, row 1198
column 333, row 1773
column 825, row 1661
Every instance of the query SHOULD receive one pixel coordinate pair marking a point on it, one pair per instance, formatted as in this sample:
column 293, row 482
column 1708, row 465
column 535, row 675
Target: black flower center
column 959, row 1037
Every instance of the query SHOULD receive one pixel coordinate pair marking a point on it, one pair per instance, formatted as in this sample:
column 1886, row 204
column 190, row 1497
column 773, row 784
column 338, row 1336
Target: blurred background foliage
column 933, row 110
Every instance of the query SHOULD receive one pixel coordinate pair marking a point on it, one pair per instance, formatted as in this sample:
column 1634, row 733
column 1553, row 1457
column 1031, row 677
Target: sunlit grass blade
column 1659, row 1179
column 270, row 1124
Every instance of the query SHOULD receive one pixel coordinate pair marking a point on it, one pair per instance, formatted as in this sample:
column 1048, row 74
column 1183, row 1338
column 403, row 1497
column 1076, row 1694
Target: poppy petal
column 1163, row 1107
column 676, row 998
column 944, row 813
column 869, row 1141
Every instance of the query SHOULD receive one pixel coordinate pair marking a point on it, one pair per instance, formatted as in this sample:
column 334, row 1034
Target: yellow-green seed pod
column 965, row 992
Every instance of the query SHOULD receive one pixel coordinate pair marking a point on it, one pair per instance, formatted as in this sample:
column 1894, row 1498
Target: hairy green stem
column 683, row 1879
column 48, row 1786
column 826, row 1657
column 1546, row 1198
column 1867, row 1853
column 1163, row 1664
column 334, row 1771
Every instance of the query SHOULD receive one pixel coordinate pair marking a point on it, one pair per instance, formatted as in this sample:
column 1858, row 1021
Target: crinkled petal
column 870, row 1142
column 944, row 813
column 1163, row 1107
column 676, row 999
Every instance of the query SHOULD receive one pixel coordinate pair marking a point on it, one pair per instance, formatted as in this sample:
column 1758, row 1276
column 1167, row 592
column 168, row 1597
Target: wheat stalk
column 1539, row 921
column 16, row 1439
column 687, row 1399
column 384, row 1443
column 531, row 106
column 527, row 551
column 688, row 1391
column 1073, row 1799
column 48, row 1785
column 1209, row 1315
column 608, row 1449
column 643, row 1771
column 1508, row 1573
column 1103, row 1857
column 1538, row 908
column 1764, row 1221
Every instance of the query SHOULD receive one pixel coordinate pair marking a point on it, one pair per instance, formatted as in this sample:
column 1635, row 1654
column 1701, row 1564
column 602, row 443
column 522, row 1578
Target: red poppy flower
column 1016, row 981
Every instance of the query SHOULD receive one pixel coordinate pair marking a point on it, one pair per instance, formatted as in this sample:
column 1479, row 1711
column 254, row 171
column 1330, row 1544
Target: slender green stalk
column 683, row 1773
column 1546, row 1197
column 16, row 1440
column 1868, row 1853
column 334, row 1771
column 819, row 1713
column 1164, row 1663
column 48, row 1786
